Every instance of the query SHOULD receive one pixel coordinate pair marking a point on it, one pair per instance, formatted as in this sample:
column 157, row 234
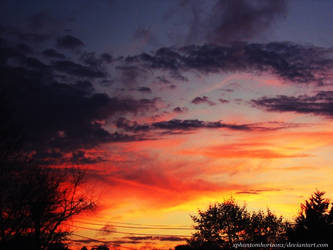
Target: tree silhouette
column 226, row 223
column 315, row 221
column 266, row 228
column 220, row 226
column 35, row 201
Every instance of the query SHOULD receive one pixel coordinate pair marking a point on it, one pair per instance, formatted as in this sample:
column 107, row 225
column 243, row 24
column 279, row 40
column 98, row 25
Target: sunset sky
column 169, row 106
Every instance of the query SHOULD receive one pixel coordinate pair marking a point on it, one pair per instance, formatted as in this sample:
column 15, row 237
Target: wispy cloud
column 290, row 61
column 185, row 125
column 203, row 99
column 319, row 104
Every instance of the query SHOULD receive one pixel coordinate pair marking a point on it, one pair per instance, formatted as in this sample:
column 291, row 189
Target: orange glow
column 164, row 181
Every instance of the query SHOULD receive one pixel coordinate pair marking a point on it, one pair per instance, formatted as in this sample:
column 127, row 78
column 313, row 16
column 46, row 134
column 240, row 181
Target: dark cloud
column 139, row 238
column 258, row 191
column 91, row 59
column 52, row 53
column 180, row 109
column 80, row 157
column 106, row 58
column 319, row 104
column 158, row 238
column 188, row 125
column 34, row 63
column 60, row 117
column 223, row 100
column 163, row 80
column 227, row 90
column 24, row 48
column 57, row 157
column 237, row 20
column 203, row 99
column 120, row 137
column 55, row 108
column 107, row 229
column 194, row 124
column 290, row 61
column 174, row 125
column 221, row 21
column 84, row 86
column 130, row 74
column 163, row 58
column 72, row 68
column 144, row 89
column 69, row 42
column 172, row 238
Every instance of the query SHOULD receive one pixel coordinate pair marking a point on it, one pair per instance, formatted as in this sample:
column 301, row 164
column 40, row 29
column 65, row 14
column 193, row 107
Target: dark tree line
column 224, row 224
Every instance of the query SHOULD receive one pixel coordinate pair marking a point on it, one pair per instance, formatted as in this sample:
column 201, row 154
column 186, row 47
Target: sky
column 169, row 106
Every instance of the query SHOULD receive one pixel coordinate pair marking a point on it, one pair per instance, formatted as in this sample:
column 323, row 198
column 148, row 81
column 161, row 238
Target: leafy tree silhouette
column 266, row 228
column 315, row 221
column 35, row 204
column 226, row 223
column 220, row 226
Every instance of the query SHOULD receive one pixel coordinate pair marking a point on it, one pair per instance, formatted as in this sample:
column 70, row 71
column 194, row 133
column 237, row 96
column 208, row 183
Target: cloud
column 84, row 86
column 240, row 150
column 239, row 20
column 221, row 100
column 155, row 238
column 72, row 68
column 130, row 74
column 180, row 109
column 57, row 157
column 69, row 42
column 188, row 125
column 107, row 229
column 163, row 80
column 144, row 89
column 228, row 90
column 79, row 157
column 176, row 125
column 25, row 48
column 258, row 191
column 289, row 61
column 319, row 104
column 58, row 109
column 155, row 184
column 93, row 60
column 221, row 21
column 203, row 99
column 53, row 54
